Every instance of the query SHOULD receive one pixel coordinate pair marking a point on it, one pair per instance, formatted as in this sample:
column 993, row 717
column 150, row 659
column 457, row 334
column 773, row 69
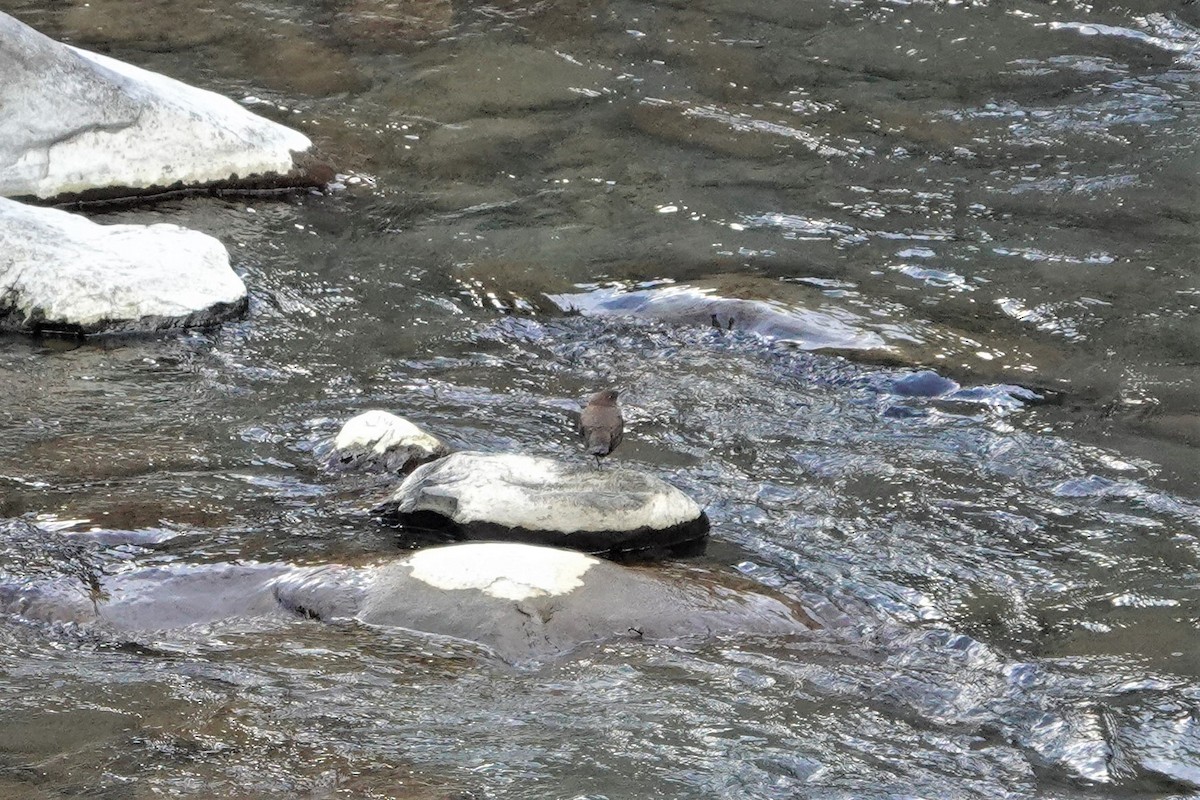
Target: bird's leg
column 597, row 462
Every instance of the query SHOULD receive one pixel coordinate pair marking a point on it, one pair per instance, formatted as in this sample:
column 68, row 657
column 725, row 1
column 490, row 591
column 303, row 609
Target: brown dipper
column 601, row 424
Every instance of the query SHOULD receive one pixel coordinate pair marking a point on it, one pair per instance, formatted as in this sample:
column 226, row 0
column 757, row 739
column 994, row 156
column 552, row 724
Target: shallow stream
column 905, row 293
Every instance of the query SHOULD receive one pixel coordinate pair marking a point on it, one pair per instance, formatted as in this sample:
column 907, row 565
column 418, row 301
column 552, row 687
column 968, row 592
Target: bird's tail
column 598, row 446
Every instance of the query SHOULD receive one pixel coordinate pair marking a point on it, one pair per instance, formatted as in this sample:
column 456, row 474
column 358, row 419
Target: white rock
column 518, row 497
column 61, row 271
column 520, row 491
column 75, row 120
column 378, row 439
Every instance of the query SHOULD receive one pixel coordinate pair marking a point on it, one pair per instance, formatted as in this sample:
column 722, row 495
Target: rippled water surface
column 904, row 293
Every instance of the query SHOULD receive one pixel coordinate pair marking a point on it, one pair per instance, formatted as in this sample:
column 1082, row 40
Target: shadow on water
column 970, row 201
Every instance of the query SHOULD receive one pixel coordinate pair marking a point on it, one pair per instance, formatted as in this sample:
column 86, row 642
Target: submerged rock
column 76, row 121
column 63, row 272
column 835, row 321
column 805, row 319
column 511, row 497
column 380, row 441
column 525, row 603
column 528, row 602
column 503, row 81
column 376, row 23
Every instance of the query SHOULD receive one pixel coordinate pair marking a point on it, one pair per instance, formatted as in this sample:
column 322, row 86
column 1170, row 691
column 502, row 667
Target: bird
column 601, row 424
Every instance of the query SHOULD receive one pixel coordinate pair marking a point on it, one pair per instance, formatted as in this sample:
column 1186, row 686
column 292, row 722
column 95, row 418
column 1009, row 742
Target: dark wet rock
column 738, row 304
column 294, row 63
column 80, row 456
column 388, row 22
column 80, row 121
column 156, row 25
column 525, row 603
column 986, row 70
column 510, row 497
column 836, row 322
column 379, row 441
column 277, row 52
column 923, row 384
column 530, row 602
column 1183, row 427
column 151, row 599
column 473, row 148
column 742, row 131
column 929, row 384
column 61, row 272
column 904, row 412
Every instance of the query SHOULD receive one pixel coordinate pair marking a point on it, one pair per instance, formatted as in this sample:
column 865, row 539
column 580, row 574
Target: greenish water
column 545, row 198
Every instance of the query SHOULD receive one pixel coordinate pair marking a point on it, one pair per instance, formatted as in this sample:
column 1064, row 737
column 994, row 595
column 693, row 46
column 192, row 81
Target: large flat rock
column 61, row 272
column 834, row 321
column 510, row 497
column 75, row 121
column 806, row 320
column 525, row 604
column 503, row 81
column 533, row 603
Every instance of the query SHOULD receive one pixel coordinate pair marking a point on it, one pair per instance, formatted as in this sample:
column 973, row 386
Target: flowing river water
column 904, row 293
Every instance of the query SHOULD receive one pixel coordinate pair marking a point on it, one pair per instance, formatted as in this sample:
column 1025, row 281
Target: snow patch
column 504, row 570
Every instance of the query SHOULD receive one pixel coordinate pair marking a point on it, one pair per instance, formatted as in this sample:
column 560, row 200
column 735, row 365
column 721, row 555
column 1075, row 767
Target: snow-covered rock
column 63, row 272
column 522, row 498
column 75, row 120
column 378, row 440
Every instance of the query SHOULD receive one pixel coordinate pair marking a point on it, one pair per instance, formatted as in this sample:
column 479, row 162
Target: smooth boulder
column 830, row 319
column 509, row 497
column 805, row 319
column 75, row 121
column 377, row 440
column 522, row 602
column 530, row 603
column 61, row 272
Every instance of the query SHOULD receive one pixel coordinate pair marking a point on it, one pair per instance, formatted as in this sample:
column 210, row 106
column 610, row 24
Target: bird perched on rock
column 601, row 424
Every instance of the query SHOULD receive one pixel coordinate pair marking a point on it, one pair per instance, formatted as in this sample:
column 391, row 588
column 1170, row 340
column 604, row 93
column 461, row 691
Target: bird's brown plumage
column 601, row 424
